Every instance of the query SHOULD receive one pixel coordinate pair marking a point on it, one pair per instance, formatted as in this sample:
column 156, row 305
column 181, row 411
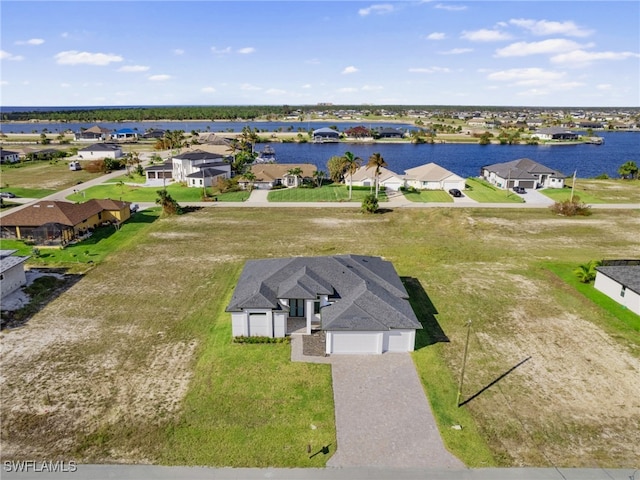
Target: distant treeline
column 227, row 113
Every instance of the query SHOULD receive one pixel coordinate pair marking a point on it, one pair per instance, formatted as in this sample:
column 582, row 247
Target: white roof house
column 433, row 177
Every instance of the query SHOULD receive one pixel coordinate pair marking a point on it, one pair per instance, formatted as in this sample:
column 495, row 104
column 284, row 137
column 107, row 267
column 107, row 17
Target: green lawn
column 427, row 196
column 326, row 193
column 28, row 192
column 133, row 193
column 40, row 178
column 483, row 192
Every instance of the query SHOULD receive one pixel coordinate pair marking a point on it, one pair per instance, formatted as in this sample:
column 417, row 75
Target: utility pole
column 464, row 363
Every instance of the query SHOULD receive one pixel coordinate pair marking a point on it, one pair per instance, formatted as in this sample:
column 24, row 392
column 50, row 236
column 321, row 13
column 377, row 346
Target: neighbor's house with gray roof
column 9, row 156
column 199, row 167
column 621, row 283
column 325, row 135
column 523, row 172
column 12, row 275
column 555, row 133
column 358, row 301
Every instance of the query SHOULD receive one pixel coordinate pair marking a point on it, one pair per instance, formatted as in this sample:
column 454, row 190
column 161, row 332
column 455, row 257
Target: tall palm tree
column 376, row 161
column 318, row 175
column 296, row 173
column 250, row 177
column 352, row 164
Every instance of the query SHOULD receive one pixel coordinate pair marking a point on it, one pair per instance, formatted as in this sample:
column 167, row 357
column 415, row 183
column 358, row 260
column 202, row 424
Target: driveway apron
column 383, row 418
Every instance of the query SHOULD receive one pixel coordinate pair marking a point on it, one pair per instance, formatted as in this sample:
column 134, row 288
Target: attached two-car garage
column 363, row 342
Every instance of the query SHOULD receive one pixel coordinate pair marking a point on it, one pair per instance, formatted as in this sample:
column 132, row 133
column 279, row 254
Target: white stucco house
column 12, row 275
column 100, row 150
column 523, row 172
column 358, row 301
column 269, row 175
column 366, row 177
column 621, row 283
column 433, row 177
column 8, row 156
column 200, row 168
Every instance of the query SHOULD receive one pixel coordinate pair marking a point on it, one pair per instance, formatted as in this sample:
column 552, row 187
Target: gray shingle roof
column 366, row 292
column 627, row 276
column 523, row 168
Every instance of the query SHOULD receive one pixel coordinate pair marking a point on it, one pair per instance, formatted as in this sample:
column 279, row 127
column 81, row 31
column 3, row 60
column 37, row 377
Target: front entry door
column 296, row 307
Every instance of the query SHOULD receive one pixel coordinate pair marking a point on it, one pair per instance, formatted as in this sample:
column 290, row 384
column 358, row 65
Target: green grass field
column 134, row 193
column 39, row 179
column 483, row 192
column 427, row 196
column 326, row 193
column 598, row 191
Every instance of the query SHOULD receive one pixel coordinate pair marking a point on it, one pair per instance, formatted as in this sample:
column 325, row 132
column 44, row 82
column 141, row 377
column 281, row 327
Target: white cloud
column 379, row 9
column 604, row 86
column 177, row 51
column 4, row 82
column 430, row 70
column 484, row 35
column 523, row 49
column 527, row 76
column 246, row 50
column 451, row 8
column 275, row 91
column 456, row 51
column 31, row 41
column 436, row 36
column 249, row 87
column 73, row 57
column 9, row 56
column 349, row 69
column 372, row 88
column 159, row 78
column 347, row 90
column 545, row 27
column 307, row 85
column 312, row 61
column 208, row 90
column 65, row 85
column 133, row 68
column 580, row 58
column 221, row 51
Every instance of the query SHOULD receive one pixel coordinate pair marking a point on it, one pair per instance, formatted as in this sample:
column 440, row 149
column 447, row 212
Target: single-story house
column 12, row 275
column 153, row 133
column 358, row 301
column 366, row 177
column 621, row 283
column 100, row 150
column 325, row 135
column 58, row 223
column 42, row 154
column 9, row 156
column 125, row 134
column 555, row 133
column 389, row 132
column 190, row 162
column 431, row 176
column 523, row 172
column 269, row 175
column 92, row 134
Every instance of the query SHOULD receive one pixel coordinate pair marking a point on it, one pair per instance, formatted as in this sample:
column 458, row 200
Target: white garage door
column 356, row 342
column 397, row 341
column 258, row 326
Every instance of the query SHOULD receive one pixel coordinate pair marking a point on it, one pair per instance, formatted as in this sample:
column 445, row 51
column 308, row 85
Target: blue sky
column 510, row 53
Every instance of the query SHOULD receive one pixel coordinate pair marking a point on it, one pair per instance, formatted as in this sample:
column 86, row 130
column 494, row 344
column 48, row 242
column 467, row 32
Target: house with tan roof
column 92, row 134
column 366, row 177
column 58, row 223
column 269, row 175
column 433, row 177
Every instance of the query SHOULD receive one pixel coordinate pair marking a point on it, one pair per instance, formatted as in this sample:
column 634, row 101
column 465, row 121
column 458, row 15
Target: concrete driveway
column 383, row 418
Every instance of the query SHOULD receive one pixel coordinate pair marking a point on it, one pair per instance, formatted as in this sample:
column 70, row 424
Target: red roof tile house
column 58, row 223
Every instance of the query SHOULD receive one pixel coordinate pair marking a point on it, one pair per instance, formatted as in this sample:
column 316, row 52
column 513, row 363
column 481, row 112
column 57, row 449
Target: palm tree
column 629, row 169
column 586, row 273
column 318, row 175
column 376, row 161
column 352, row 164
column 295, row 172
column 250, row 177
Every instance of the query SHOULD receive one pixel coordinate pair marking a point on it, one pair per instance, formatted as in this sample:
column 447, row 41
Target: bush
column 255, row 340
column 571, row 208
column 370, row 204
column 602, row 176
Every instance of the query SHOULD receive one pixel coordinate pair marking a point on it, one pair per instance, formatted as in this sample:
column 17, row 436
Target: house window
column 316, row 307
column 296, row 307
column 623, row 291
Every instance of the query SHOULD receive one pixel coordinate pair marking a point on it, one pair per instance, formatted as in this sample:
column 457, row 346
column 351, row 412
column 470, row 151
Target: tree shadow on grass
column 431, row 332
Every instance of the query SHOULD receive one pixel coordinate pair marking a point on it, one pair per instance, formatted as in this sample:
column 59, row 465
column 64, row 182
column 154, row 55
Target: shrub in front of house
column 255, row 340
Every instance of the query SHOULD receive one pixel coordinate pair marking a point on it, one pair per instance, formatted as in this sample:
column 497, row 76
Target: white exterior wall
column 280, row 324
column 399, row 341
column 254, row 323
column 117, row 153
column 361, row 343
column 449, row 184
column 554, row 182
column 613, row 290
column 12, row 279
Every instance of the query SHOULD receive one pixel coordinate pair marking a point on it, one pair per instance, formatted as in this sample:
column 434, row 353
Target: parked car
column 133, row 208
column 519, row 190
column 454, row 192
column 7, row 195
